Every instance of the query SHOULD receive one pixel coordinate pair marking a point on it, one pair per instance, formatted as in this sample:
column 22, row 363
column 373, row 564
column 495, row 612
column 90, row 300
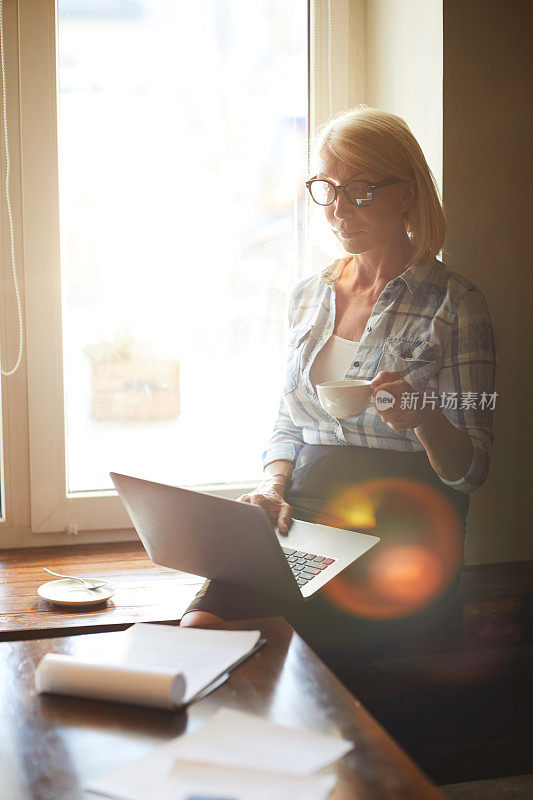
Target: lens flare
column 418, row 555
column 352, row 508
column 406, row 573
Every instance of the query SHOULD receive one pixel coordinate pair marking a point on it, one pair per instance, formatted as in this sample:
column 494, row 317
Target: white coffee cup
column 342, row 399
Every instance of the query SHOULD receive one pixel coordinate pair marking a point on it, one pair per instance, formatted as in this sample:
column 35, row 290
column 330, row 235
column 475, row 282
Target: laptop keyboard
column 305, row 566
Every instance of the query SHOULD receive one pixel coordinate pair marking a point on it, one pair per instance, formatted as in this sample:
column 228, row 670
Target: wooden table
column 51, row 746
column 145, row 592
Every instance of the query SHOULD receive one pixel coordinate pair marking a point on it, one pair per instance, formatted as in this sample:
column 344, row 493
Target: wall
column 404, row 68
column 488, row 180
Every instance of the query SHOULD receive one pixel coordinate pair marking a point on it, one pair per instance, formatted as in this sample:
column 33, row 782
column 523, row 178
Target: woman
column 390, row 312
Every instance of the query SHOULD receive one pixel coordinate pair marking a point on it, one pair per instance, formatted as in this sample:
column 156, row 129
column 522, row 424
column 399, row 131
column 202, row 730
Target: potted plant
column 129, row 383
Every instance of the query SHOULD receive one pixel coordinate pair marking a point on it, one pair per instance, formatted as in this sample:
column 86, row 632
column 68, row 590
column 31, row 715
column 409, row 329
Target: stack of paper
column 234, row 755
column 157, row 665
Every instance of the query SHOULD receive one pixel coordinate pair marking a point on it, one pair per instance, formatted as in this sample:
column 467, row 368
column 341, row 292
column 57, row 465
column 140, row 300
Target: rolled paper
column 141, row 686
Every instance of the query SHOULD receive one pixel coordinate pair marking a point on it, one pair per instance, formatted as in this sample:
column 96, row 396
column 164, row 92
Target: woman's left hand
column 412, row 415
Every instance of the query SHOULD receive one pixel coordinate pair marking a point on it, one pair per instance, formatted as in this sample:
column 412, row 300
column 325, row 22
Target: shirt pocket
column 416, row 361
column 297, row 341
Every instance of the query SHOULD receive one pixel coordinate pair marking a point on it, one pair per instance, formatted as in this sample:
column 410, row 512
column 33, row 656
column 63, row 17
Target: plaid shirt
column 431, row 325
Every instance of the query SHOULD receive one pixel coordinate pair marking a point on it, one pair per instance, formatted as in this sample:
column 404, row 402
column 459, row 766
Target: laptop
column 236, row 542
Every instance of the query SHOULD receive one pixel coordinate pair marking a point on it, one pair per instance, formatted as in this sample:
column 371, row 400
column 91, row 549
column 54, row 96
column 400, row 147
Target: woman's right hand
column 269, row 495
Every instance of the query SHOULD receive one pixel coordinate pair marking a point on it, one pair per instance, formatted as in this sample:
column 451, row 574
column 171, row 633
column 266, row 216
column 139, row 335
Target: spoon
column 84, row 581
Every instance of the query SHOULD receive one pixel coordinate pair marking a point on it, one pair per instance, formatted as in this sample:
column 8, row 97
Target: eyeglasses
column 358, row 193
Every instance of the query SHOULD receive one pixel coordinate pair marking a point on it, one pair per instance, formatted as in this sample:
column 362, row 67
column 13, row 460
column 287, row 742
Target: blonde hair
column 371, row 138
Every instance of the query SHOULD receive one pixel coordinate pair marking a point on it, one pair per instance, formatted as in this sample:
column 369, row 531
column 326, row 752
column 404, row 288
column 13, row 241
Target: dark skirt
column 322, row 475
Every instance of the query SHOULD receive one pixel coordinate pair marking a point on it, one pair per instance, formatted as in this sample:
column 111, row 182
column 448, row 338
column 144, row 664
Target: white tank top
column 333, row 361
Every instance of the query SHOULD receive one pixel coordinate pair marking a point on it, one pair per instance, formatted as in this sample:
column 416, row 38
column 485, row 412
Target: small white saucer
column 66, row 592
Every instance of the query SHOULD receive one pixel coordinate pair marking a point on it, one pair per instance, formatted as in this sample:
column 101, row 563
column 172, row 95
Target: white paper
column 158, row 665
column 199, row 654
column 232, row 742
column 188, row 777
column 233, row 738
column 191, row 778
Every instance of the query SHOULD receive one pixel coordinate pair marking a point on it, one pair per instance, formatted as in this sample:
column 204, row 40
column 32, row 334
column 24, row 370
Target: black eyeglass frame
column 372, row 187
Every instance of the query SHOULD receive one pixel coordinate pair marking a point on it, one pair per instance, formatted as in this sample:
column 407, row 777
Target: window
column 163, row 215
column 182, row 161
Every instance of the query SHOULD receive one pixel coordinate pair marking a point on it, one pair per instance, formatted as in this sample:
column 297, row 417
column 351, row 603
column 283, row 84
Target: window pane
column 182, row 159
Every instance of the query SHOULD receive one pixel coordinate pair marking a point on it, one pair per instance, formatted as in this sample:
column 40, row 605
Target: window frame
column 49, row 510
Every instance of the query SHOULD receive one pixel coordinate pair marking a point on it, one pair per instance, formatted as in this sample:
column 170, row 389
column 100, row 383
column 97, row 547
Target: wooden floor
column 519, row 787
